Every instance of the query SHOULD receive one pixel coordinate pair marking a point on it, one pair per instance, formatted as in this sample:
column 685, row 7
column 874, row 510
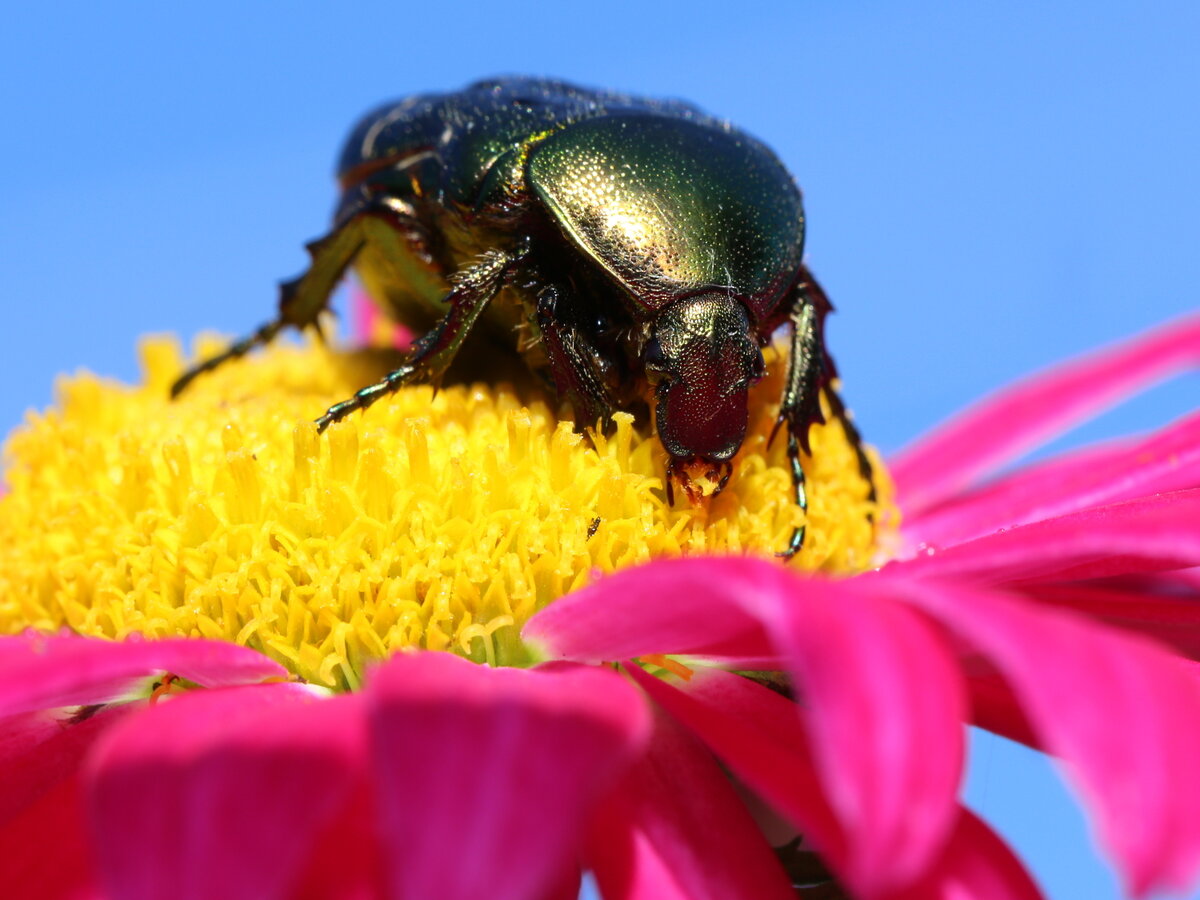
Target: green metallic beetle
column 628, row 248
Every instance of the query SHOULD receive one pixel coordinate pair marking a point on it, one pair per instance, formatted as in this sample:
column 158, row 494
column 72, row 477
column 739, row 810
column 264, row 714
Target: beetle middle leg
column 433, row 352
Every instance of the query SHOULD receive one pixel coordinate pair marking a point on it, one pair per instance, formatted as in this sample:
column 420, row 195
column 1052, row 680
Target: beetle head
column 702, row 357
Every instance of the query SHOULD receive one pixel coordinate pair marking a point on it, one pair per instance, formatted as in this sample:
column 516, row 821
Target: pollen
column 439, row 520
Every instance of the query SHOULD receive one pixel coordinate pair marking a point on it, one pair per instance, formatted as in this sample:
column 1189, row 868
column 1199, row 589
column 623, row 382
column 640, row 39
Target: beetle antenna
column 263, row 335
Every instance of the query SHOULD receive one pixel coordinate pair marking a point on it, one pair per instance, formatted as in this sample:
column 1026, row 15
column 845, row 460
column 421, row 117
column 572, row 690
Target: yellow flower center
column 440, row 521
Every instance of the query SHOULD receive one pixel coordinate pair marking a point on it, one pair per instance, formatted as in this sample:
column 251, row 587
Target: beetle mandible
column 636, row 248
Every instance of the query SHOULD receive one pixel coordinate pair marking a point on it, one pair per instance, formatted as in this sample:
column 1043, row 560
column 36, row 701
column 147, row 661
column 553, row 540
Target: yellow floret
column 440, row 521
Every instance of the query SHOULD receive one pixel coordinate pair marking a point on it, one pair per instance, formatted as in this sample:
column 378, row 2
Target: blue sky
column 990, row 187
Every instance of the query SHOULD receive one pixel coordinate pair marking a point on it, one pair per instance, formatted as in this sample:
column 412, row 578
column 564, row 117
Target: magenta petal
column 1142, row 535
column 878, row 685
column 763, row 741
column 46, row 672
column 675, row 828
column 1122, row 714
column 45, row 852
column 1166, row 461
column 680, row 606
column 365, row 314
column 884, row 702
column 1170, row 618
column 39, row 750
column 486, row 776
column 1032, row 411
column 756, row 733
column 221, row 793
column 345, row 864
column 976, row 865
column 1180, row 581
column 995, row 707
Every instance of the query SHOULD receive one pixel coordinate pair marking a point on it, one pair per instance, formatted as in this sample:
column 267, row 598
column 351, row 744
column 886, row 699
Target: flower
column 436, row 522
column 316, row 762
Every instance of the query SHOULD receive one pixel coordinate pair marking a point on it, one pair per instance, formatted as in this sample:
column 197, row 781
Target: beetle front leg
column 800, row 407
column 301, row 300
column 796, row 542
column 433, row 352
column 811, row 370
column 866, row 470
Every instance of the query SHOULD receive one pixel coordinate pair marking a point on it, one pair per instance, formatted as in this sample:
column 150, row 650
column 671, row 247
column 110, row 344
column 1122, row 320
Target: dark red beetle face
column 703, row 357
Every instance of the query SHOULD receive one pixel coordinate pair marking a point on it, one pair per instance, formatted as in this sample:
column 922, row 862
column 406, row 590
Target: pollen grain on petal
column 433, row 520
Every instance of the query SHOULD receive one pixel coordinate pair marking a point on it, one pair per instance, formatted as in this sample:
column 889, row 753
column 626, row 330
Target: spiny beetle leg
column 390, row 382
column 801, row 496
column 800, row 406
column 434, row 351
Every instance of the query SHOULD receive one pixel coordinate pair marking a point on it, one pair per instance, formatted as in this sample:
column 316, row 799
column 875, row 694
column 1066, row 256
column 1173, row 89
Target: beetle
column 632, row 250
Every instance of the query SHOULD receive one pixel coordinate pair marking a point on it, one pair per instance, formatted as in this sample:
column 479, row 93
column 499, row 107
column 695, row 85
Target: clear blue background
column 990, row 187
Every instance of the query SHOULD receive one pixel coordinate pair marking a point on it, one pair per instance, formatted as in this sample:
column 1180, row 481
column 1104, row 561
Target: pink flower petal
column 675, row 828
column 1172, row 619
column 880, row 690
column 995, row 707
column 1166, row 461
column 486, row 776
column 885, row 703
column 367, row 321
column 1140, row 535
column 46, row 849
column 567, row 888
column 221, row 793
column 39, row 750
column 1020, row 417
column 759, row 736
column 1122, row 714
column 1183, row 580
column 46, row 672
column 345, row 864
column 976, row 865
column 45, row 845
column 667, row 606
